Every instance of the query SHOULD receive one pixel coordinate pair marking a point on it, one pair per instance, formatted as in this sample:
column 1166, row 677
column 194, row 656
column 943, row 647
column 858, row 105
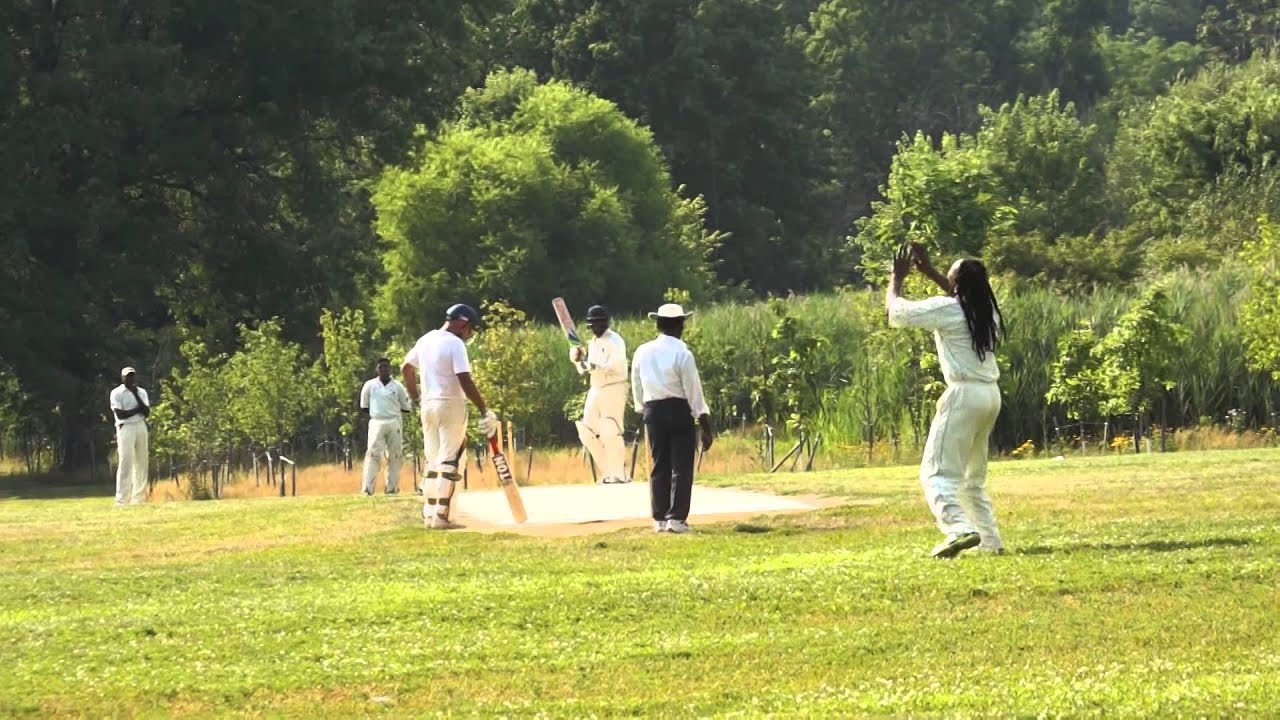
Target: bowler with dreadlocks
column 967, row 327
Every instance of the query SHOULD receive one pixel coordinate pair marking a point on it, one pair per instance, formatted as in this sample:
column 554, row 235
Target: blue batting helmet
column 463, row 312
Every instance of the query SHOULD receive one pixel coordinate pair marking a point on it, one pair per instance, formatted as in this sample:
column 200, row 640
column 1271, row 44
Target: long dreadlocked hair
column 981, row 313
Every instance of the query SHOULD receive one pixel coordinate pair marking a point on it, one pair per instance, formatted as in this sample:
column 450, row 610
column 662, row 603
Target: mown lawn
column 1144, row 586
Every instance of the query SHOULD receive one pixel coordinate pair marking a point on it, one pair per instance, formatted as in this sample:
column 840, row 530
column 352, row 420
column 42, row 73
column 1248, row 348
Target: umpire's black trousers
column 672, row 437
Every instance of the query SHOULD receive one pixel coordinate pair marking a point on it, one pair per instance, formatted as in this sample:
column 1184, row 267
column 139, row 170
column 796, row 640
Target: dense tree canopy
column 175, row 173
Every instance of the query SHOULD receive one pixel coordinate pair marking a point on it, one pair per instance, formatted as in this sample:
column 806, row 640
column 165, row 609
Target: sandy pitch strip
column 566, row 510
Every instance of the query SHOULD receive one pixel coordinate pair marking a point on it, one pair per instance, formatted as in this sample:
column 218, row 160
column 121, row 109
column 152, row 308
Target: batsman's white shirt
column 439, row 356
column 607, row 359
column 664, row 368
column 945, row 317
column 385, row 402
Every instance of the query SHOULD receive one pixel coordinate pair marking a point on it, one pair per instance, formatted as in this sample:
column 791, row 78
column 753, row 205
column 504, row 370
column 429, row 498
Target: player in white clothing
column 440, row 359
column 967, row 327
column 131, row 406
column 601, row 424
column 382, row 400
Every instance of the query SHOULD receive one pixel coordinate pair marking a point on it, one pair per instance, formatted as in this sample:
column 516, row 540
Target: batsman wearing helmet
column 601, row 424
column 440, row 359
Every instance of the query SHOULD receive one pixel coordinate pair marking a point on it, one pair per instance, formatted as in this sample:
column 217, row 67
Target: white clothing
column 444, row 433
column 953, row 471
column 122, row 398
column 607, row 359
column 664, row 368
column 439, row 357
column 385, row 402
column 444, row 438
column 131, row 474
column 386, row 436
column 945, row 317
column 601, row 429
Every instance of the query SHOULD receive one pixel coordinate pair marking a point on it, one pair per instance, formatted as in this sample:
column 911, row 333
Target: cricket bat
column 570, row 330
column 507, row 481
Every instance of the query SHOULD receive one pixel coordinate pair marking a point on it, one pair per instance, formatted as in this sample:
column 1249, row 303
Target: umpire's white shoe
column 678, row 526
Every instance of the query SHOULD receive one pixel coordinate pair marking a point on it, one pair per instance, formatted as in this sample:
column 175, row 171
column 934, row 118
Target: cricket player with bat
column 440, row 360
column 601, row 426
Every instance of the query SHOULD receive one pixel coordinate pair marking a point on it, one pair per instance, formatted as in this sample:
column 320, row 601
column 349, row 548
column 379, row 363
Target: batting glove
column 489, row 424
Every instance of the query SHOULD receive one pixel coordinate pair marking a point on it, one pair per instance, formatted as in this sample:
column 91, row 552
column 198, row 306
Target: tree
column 340, row 367
column 271, row 385
column 1260, row 314
column 539, row 190
column 1191, row 173
column 725, row 88
column 176, row 160
column 1237, row 30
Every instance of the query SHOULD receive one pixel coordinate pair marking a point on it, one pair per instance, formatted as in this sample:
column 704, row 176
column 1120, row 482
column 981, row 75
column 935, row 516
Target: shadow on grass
column 1150, row 546
column 54, row 485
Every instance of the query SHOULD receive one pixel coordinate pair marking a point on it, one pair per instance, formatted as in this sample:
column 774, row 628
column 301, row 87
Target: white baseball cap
column 670, row 310
column 126, row 372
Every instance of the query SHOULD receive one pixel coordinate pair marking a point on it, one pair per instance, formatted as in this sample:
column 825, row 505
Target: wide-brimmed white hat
column 670, row 310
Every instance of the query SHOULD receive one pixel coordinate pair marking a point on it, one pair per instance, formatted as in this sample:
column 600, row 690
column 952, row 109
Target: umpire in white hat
column 666, row 389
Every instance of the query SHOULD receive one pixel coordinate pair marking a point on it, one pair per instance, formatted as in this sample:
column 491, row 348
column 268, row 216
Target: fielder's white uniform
column 601, row 424
column 439, row 356
column 953, row 470
column 384, row 402
column 131, row 445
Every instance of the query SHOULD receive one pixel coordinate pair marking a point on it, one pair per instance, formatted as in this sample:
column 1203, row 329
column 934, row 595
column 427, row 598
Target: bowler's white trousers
column 953, row 471
column 131, row 475
column 601, row 428
column 386, row 436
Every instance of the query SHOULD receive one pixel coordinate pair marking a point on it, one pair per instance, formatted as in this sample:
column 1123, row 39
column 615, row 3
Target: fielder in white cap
column 601, row 425
column 131, row 406
column 667, row 390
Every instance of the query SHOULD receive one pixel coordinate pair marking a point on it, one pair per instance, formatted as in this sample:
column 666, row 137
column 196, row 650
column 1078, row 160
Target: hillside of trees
column 250, row 202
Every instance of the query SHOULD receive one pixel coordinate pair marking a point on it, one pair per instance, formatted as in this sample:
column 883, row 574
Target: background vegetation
column 251, row 203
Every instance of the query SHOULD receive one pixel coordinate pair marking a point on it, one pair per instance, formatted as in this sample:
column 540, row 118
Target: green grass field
column 1137, row 586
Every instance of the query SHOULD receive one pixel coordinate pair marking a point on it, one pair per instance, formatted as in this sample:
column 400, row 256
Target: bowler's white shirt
column 607, row 359
column 664, row 368
column 945, row 317
column 439, row 356
column 385, row 402
column 122, row 399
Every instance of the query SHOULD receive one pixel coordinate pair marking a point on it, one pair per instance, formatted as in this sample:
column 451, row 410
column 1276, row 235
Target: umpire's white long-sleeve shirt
column 664, row 368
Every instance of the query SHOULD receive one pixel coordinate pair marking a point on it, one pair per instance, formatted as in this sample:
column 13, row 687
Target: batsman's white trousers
column 601, row 428
column 131, row 475
column 386, row 436
column 444, row 435
column 954, row 468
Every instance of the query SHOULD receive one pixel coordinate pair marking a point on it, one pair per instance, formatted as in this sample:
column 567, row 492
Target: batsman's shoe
column 678, row 526
column 659, row 526
column 955, row 544
column 439, row 523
